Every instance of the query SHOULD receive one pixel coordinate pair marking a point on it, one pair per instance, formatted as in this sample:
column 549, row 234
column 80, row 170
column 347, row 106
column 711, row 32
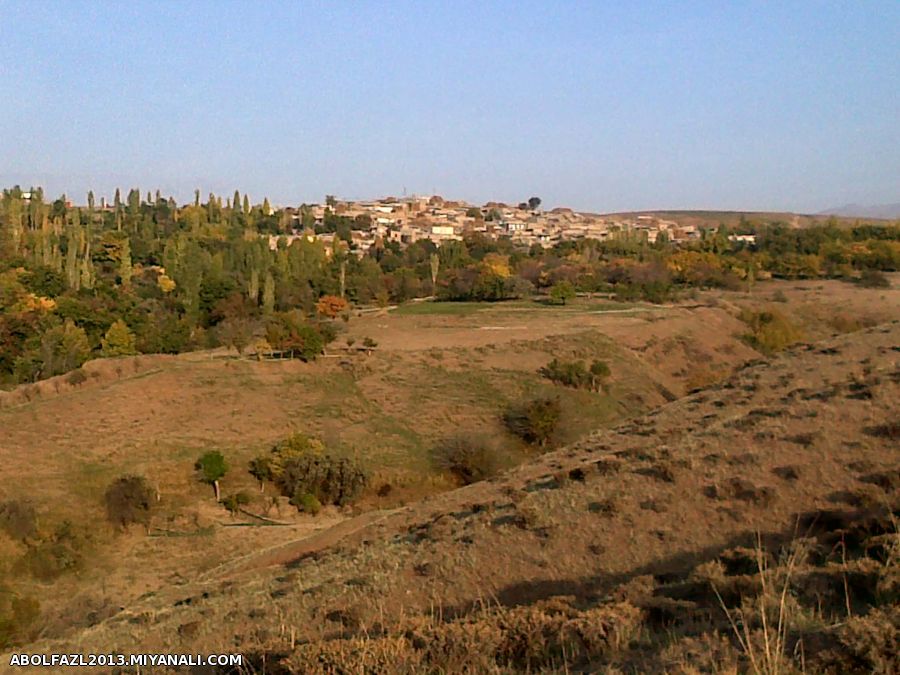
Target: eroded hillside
column 630, row 548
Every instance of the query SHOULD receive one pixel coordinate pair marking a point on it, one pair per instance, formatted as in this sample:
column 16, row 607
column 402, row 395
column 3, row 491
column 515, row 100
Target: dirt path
column 324, row 537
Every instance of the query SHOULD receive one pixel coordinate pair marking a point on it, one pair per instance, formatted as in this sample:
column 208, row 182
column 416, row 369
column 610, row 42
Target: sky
column 599, row 106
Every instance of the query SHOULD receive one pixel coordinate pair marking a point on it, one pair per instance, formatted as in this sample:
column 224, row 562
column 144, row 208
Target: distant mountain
column 860, row 211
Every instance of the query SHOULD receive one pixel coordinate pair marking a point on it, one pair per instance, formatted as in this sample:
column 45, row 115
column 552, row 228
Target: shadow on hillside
column 849, row 526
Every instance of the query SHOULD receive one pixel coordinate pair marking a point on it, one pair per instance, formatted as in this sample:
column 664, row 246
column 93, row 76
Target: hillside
column 707, row 219
column 604, row 553
column 888, row 211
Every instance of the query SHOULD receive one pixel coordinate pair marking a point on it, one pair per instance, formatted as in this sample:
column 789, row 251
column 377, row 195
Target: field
column 438, row 368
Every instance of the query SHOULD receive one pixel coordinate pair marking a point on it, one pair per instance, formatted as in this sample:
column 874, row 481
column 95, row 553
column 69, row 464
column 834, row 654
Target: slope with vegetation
column 748, row 526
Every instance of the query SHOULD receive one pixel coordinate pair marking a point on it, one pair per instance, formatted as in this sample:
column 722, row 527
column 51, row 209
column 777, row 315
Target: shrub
column 770, row 330
column 18, row 616
column 130, row 499
column 307, row 502
column 533, row 421
column 300, row 465
column 61, row 553
column 369, row 343
column 874, row 279
column 332, row 480
column 76, row 377
column 468, row 457
column 233, row 503
column 18, row 519
column 779, row 296
column 576, row 374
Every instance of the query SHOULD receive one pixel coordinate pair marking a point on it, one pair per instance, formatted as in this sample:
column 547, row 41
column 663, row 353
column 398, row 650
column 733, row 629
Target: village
column 410, row 219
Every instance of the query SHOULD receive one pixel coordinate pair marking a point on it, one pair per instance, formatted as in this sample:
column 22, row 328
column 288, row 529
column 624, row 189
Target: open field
column 438, row 369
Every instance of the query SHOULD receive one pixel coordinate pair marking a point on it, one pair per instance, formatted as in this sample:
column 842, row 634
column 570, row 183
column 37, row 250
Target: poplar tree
column 125, row 269
column 253, row 286
column 269, row 294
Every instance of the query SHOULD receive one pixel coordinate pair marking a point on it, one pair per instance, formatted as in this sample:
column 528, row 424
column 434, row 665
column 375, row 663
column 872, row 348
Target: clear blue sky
column 598, row 105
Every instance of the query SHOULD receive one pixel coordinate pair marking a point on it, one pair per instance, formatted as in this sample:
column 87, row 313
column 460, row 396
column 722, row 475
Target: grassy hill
column 628, row 549
column 432, row 375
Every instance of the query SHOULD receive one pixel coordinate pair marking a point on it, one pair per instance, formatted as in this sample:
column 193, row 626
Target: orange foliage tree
column 331, row 306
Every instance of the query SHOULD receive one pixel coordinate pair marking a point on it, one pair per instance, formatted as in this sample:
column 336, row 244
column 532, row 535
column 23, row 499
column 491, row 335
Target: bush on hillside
column 300, row 465
column 331, row 480
column 533, row 421
column 130, row 499
column 18, row 616
column 467, row 457
column 62, row 552
column 576, row 374
column 874, row 279
column 307, row 502
column 770, row 330
column 233, row 503
column 18, row 519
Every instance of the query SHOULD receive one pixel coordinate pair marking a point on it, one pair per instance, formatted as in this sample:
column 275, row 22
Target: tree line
column 145, row 275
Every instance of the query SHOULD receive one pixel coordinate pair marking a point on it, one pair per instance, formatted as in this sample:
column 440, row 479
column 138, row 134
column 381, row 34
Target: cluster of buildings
column 411, row 219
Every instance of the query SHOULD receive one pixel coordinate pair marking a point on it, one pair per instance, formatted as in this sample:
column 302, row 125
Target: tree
column 261, row 470
column 118, row 341
column 331, row 306
column 534, row 203
column 130, row 499
column 289, row 332
column 599, row 374
column 63, row 348
column 211, row 468
column 268, row 295
column 533, row 421
column 435, row 263
column 469, row 458
column 562, row 292
column 236, row 332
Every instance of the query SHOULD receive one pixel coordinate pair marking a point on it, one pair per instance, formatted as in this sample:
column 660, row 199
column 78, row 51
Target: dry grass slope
column 748, row 527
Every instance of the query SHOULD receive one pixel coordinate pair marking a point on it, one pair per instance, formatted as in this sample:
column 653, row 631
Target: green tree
column 533, row 421
column 435, row 264
column 125, row 268
column 211, row 468
column 62, row 349
column 599, row 374
column 118, row 341
column 562, row 292
column 268, row 295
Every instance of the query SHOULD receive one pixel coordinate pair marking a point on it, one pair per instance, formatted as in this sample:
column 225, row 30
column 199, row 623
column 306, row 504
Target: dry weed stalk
column 772, row 658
